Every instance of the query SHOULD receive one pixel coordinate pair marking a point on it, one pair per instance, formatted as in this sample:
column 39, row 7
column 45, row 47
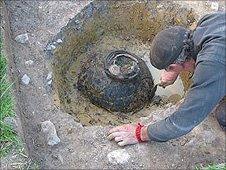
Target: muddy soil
column 100, row 31
column 87, row 147
column 87, row 113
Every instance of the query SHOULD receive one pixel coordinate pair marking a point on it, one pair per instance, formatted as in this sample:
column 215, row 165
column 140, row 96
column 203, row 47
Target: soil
column 87, row 147
column 100, row 32
column 84, row 111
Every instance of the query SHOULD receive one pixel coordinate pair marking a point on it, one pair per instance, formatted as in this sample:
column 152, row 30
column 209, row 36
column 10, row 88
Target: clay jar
column 119, row 81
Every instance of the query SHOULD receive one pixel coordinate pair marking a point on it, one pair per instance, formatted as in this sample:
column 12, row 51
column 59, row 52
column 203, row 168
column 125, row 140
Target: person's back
column 210, row 38
column 209, row 80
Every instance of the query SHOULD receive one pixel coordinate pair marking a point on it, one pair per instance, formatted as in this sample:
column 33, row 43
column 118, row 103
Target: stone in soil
column 25, row 79
column 49, row 76
column 29, row 62
column 49, row 130
column 119, row 156
column 59, row 41
column 50, row 47
column 22, row 38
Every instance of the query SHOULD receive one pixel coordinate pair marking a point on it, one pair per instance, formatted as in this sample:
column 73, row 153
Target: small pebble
column 25, row 79
column 59, row 41
column 50, row 47
column 49, row 76
column 49, row 130
column 29, row 62
column 22, row 38
column 49, row 82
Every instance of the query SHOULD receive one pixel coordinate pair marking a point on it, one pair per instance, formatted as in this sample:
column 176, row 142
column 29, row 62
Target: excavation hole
column 103, row 27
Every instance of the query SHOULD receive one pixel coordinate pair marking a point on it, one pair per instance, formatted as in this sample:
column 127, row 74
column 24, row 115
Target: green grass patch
column 8, row 137
column 213, row 167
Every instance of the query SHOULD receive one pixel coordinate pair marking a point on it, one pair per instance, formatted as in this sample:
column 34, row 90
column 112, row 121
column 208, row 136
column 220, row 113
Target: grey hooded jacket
column 209, row 81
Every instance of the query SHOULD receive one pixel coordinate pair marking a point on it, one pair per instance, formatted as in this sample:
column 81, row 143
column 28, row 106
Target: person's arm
column 207, row 90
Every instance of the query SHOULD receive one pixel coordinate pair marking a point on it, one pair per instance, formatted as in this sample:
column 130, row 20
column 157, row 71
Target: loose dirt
column 132, row 29
column 87, row 147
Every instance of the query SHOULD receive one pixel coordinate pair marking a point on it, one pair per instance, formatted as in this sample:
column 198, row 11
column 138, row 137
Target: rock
column 49, row 76
column 50, row 47
column 25, row 79
column 49, row 82
column 49, row 130
column 119, row 156
column 29, row 62
column 11, row 121
column 22, row 38
column 59, row 41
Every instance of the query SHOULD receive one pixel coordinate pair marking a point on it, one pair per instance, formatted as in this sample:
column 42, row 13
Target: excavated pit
column 103, row 27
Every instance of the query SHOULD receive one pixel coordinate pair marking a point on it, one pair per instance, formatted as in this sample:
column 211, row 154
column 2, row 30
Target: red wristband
column 138, row 132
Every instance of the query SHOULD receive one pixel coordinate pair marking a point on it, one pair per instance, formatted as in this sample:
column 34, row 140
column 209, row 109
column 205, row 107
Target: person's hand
column 167, row 78
column 170, row 75
column 126, row 134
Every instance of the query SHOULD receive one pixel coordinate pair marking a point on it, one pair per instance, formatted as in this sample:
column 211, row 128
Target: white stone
column 29, row 62
column 119, row 156
column 49, row 130
column 215, row 6
column 49, row 82
column 25, row 79
column 59, row 41
column 22, row 38
column 49, row 76
column 50, row 47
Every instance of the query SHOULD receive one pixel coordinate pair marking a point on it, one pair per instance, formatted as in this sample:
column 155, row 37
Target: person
column 177, row 49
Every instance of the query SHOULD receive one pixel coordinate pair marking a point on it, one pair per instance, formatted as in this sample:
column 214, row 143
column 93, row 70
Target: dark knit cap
column 166, row 46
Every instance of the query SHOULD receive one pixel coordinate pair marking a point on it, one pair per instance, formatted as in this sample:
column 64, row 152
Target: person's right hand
column 124, row 134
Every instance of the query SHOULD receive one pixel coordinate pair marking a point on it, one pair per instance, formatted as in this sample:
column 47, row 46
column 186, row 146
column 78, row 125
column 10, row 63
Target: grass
column 8, row 137
column 213, row 167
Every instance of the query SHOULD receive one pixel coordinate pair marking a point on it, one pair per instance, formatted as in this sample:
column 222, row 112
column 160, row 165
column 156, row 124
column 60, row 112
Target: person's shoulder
column 213, row 17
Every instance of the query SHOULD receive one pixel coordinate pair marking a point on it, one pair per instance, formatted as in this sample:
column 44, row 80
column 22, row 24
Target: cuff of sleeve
column 153, row 135
column 165, row 130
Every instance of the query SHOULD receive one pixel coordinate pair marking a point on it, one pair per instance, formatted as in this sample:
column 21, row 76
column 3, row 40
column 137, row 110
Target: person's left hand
column 124, row 134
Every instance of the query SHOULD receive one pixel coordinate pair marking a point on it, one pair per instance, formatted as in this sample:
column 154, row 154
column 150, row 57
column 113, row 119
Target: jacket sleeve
column 207, row 90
